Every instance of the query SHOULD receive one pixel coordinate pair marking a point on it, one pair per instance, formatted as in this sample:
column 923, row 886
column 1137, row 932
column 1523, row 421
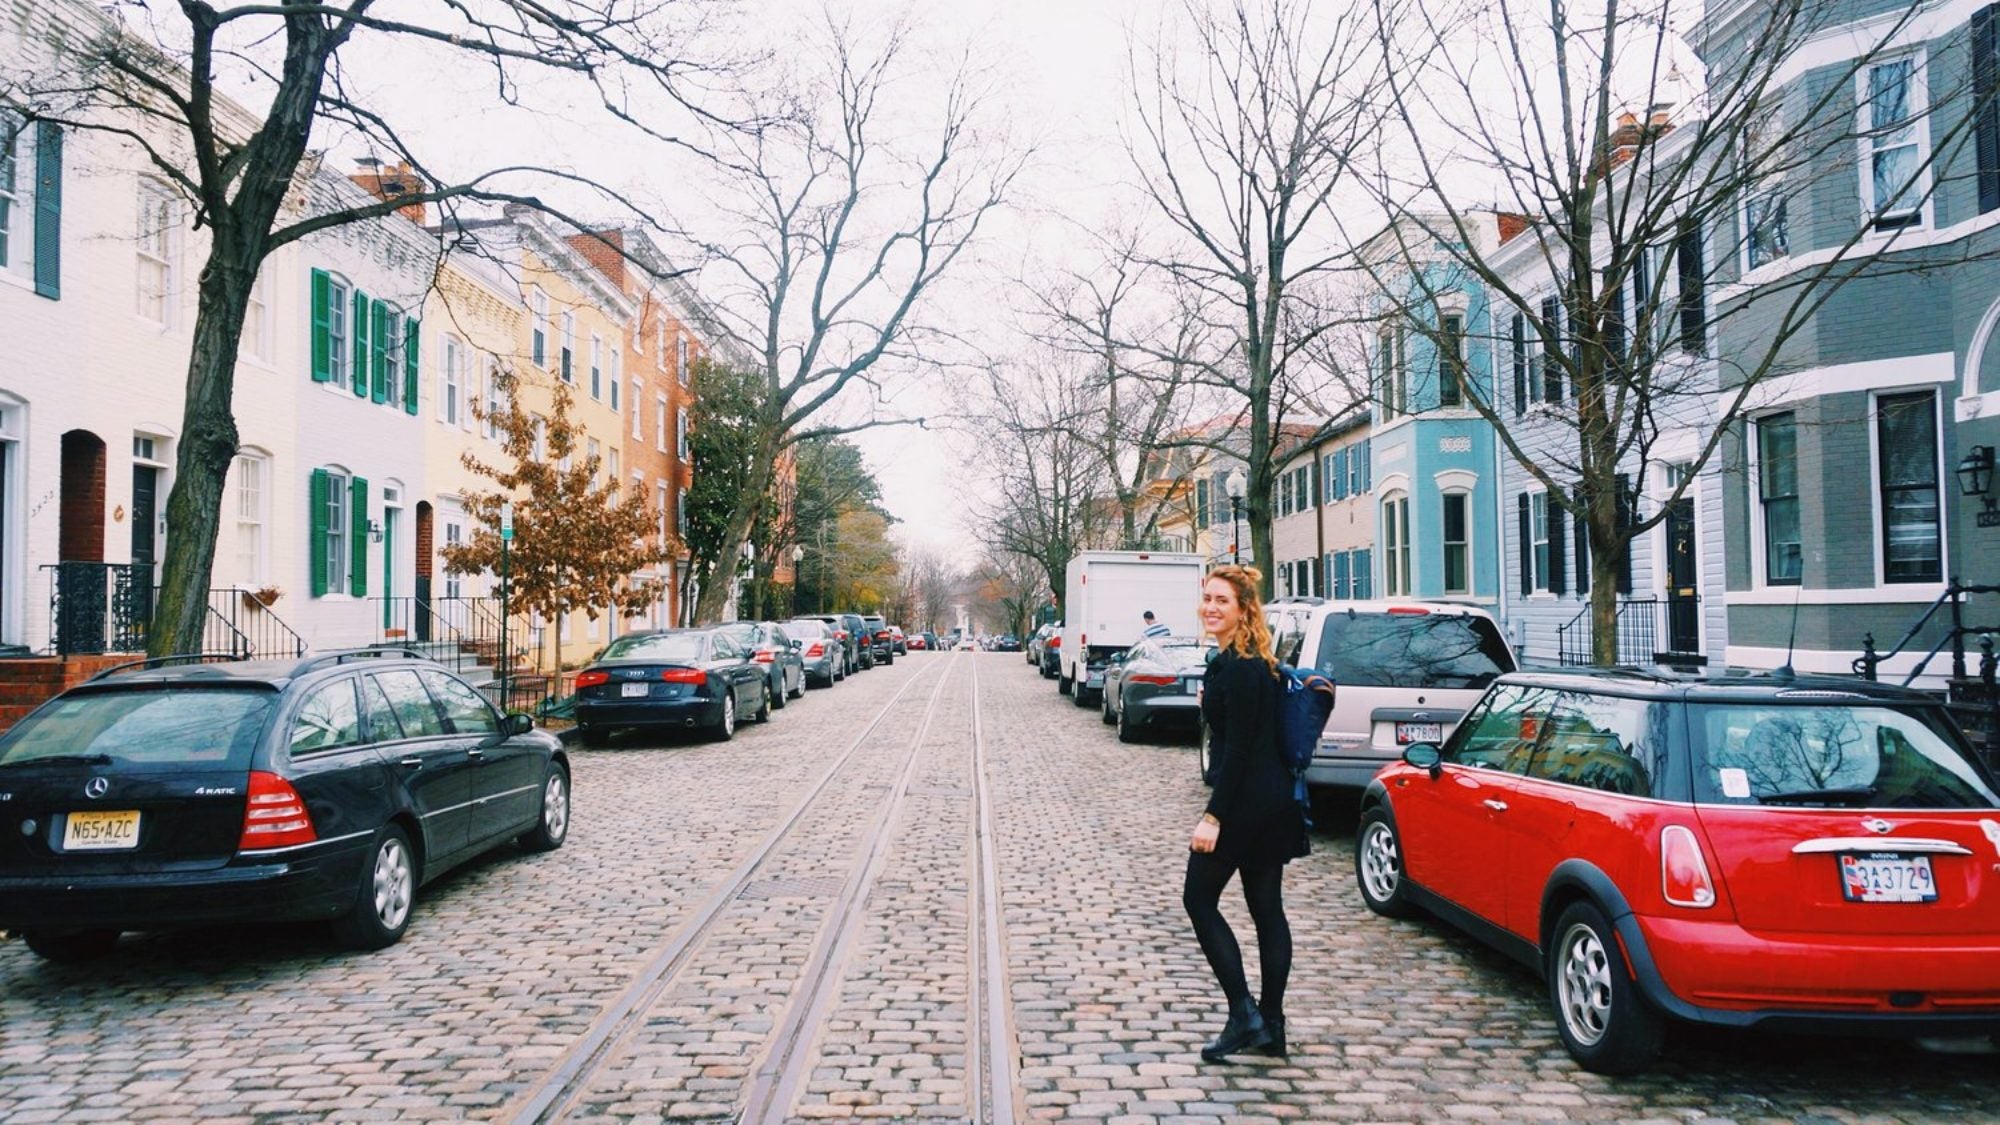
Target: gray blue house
column 1859, row 486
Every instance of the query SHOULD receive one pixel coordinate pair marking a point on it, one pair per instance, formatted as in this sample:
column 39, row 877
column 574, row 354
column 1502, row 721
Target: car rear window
column 1860, row 756
column 204, row 727
column 807, row 629
column 1415, row 650
column 655, row 646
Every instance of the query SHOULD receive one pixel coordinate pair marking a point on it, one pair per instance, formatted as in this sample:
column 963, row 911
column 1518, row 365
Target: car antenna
column 1785, row 671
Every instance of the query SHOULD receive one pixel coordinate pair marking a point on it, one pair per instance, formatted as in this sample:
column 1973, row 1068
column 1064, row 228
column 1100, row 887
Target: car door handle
column 1495, row 805
column 475, row 753
column 411, row 763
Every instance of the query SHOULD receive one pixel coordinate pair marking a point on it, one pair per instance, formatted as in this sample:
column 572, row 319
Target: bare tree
column 842, row 218
column 1623, row 195
column 150, row 75
column 1241, row 152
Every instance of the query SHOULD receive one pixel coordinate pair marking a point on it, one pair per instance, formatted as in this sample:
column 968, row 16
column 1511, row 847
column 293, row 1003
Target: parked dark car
column 1155, row 684
column 899, row 642
column 671, row 679
column 820, row 648
column 1007, row 642
column 881, row 643
column 860, row 654
column 172, row 793
column 771, row 646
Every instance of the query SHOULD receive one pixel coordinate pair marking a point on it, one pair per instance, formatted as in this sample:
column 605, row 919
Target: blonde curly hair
column 1253, row 639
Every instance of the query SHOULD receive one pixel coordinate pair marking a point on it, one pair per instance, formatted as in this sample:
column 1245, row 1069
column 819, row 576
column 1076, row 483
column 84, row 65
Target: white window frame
column 339, row 333
column 156, row 202
column 252, row 480
column 1446, row 543
column 681, row 432
column 540, row 448
column 339, row 525
column 17, row 198
column 1540, row 549
column 492, row 391
column 1945, row 488
column 1760, row 559
column 1765, row 189
column 681, row 357
column 451, row 384
column 1396, row 553
column 597, row 367
column 538, row 327
column 566, row 349
column 660, row 422
column 660, row 487
column 636, row 396
column 256, row 339
column 392, row 352
column 616, row 373
column 1918, row 212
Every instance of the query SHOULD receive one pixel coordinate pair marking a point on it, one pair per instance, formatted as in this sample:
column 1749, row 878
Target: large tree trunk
column 201, row 462
column 1605, row 551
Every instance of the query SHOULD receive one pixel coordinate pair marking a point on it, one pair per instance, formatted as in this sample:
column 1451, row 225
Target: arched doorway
column 80, row 523
column 86, row 596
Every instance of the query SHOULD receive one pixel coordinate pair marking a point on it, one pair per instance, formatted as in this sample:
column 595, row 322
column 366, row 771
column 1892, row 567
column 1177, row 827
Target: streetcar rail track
column 561, row 1088
column 992, row 1052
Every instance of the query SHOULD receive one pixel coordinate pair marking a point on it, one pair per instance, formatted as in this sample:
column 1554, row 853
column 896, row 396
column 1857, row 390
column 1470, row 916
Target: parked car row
column 1752, row 851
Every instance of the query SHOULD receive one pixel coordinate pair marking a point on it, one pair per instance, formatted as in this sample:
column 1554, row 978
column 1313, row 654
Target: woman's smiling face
column 1221, row 613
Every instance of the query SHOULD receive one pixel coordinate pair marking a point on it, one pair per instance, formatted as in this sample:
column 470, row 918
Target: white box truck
column 1105, row 600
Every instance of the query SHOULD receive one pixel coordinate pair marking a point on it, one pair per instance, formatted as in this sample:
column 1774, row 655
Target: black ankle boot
column 1275, row 1024
column 1244, row 1033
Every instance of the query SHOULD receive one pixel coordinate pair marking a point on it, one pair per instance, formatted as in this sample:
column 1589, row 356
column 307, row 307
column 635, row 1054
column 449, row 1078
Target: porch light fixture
column 374, row 531
column 1975, row 471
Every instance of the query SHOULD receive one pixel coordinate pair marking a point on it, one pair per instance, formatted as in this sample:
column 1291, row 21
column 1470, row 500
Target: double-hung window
column 567, row 362
column 1906, row 456
column 638, row 412
column 493, row 406
column 155, row 250
column 1396, row 546
column 1457, row 543
column 596, row 366
column 1538, row 541
column 617, row 376
column 681, row 432
column 1766, row 235
column 660, row 422
column 1778, row 495
column 1893, row 142
column 681, row 358
column 256, row 340
column 252, row 481
column 337, row 335
column 17, row 193
column 451, row 407
column 538, row 319
column 1451, row 360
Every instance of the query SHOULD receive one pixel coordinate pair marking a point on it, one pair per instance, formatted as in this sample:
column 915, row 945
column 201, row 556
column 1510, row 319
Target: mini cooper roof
column 1727, row 686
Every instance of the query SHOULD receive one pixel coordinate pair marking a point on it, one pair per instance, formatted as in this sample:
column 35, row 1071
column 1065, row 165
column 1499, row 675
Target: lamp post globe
column 1235, row 485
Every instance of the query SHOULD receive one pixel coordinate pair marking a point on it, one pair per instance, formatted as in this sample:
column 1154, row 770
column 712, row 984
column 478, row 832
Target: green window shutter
column 378, row 346
column 357, row 333
column 322, row 327
column 357, row 506
column 316, row 538
column 48, row 209
column 410, row 354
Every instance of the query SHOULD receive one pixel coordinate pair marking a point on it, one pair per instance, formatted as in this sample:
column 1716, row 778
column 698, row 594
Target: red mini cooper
column 1802, row 854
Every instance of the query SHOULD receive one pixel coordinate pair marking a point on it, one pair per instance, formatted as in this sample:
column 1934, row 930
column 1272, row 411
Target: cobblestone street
column 785, row 926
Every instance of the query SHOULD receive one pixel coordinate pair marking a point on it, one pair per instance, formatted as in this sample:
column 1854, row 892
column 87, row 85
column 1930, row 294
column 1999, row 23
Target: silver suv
column 1405, row 672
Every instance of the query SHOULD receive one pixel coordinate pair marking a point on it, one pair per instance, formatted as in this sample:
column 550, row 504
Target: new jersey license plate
column 634, row 691
column 1409, row 734
column 101, row 831
column 1887, row 877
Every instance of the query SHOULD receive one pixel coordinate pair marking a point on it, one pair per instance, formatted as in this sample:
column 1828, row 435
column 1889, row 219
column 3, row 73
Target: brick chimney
column 603, row 250
column 391, row 181
column 1510, row 225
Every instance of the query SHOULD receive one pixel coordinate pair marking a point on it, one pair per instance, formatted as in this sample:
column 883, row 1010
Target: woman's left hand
column 1205, row 834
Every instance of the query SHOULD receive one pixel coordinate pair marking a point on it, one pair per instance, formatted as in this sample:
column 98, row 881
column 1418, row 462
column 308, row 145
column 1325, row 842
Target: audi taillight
column 592, row 679
column 274, row 816
column 1683, row 869
column 1150, row 678
column 684, row 675
column 815, row 649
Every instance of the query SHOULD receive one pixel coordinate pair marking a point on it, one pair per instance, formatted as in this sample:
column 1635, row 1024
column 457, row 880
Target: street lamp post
column 798, row 576
column 1235, row 485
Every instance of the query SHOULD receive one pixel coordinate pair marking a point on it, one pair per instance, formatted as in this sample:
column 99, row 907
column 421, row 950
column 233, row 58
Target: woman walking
column 1252, row 826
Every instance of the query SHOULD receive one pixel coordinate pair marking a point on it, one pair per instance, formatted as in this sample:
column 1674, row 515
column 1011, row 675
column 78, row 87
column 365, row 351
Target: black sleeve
column 1228, row 731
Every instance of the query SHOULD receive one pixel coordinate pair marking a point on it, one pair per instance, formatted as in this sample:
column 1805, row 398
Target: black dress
column 1262, row 825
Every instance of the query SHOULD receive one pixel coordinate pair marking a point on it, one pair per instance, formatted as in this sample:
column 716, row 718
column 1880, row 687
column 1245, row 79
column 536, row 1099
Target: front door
column 1683, row 579
column 389, row 564
column 145, row 506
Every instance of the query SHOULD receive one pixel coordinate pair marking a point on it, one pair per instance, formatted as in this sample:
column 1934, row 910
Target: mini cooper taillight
column 1683, row 869
column 275, row 815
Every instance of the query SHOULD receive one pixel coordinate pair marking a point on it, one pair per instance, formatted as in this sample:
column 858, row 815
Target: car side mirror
column 1427, row 757
column 517, row 723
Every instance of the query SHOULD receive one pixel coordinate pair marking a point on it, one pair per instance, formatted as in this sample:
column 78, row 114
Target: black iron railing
column 243, row 623
column 468, row 636
column 1638, row 634
column 1870, row 662
column 97, row 607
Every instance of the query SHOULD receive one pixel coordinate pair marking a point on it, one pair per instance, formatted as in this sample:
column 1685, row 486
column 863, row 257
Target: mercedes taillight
column 274, row 816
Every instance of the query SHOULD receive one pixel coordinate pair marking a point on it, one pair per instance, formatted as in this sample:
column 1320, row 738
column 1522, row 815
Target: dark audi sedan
column 679, row 679
column 170, row 794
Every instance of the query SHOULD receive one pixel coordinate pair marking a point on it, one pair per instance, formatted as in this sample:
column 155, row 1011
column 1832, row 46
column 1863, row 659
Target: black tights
column 1263, row 890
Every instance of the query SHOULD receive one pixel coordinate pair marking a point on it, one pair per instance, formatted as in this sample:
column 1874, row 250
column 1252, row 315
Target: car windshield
column 207, row 727
column 656, row 646
column 806, row 628
column 1412, row 650
column 1865, row 756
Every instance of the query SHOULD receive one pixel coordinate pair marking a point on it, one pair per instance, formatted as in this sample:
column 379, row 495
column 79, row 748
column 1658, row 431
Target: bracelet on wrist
column 1209, row 818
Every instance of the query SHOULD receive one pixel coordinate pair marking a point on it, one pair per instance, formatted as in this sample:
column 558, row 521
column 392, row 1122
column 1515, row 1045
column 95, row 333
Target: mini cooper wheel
column 388, row 891
column 552, row 827
column 725, row 729
column 70, row 947
column 1607, row 1027
column 1378, row 866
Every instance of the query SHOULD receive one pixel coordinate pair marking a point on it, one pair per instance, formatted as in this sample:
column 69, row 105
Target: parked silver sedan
column 1155, row 684
column 820, row 648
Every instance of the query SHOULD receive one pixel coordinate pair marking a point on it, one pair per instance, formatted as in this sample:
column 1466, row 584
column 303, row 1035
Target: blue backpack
column 1302, row 715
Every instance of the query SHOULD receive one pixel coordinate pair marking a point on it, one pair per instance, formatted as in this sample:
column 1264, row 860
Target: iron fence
column 1637, row 628
column 97, row 607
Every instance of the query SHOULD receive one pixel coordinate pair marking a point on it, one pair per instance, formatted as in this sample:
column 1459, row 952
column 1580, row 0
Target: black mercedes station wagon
column 175, row 793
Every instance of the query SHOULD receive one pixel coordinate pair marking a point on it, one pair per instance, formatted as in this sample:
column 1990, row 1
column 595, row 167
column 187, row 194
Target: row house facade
column 1323, row 517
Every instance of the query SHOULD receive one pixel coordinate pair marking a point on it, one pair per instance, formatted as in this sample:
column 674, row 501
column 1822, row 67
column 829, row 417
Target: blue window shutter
column 410, row 354
column 358, row 338
column 1364, row 570
column 1340, row 475
column 1367, row 465
column 357, row 506
column 1340, row 575
column 48, row 209
column 316, row 538
column 322, row 327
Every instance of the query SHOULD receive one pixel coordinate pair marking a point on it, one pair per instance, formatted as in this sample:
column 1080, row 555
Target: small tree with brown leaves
column 578, row 542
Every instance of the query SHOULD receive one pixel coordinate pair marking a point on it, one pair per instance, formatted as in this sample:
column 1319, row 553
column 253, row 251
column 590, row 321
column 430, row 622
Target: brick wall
column 82, row 520
column 27, row 684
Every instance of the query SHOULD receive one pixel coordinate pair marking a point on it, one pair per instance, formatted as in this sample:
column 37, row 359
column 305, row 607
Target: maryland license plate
column 1409, row 734
column 101, row 831
column 1887, row 877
